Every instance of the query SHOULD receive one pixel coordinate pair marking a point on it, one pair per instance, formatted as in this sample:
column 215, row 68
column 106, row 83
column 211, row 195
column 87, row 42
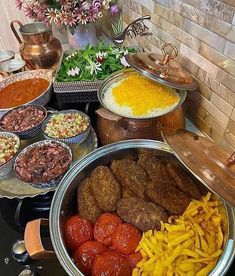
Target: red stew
column 21, row 92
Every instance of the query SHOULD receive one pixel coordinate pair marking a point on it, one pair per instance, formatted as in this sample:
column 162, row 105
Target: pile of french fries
column 187, row 245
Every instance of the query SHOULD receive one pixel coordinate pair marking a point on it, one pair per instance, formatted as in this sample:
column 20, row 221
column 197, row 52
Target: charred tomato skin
column 77, row 230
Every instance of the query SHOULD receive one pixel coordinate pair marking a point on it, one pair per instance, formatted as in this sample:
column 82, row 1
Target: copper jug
column 38, row 47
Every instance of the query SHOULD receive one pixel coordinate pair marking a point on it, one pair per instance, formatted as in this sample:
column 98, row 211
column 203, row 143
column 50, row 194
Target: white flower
column 71, row 55
column 94, row 67
column 101, row 55
column 125, row 52
column 73, row 72
column 124, row 62
column 118, row 52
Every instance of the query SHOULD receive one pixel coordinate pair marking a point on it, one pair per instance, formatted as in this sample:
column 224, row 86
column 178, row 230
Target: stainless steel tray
column 11, row 187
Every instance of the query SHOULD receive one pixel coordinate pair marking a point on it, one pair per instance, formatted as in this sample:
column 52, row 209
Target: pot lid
column 209, row 163
column 162, row 68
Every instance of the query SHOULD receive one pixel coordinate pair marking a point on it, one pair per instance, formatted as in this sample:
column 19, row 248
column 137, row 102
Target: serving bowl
column 28, row 133
column 13, row 66
column 76, row 139
column 64, row 204
column 51, row 182
column 7, row 167
column 6, row 55
column 43, row 98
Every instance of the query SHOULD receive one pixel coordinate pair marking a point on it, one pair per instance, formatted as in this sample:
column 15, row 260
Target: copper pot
column 38, row 48
column 112, row 128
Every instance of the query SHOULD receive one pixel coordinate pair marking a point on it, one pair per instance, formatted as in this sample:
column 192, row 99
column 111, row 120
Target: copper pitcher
column 38, row 47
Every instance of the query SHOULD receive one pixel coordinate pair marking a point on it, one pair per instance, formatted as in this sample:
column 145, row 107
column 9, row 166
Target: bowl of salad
column 68, row 126
column 9, row 148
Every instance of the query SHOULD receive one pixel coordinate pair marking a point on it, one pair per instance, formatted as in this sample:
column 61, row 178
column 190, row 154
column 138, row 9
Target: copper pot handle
column 104, row 113
column 14, row 30
column 33, row 241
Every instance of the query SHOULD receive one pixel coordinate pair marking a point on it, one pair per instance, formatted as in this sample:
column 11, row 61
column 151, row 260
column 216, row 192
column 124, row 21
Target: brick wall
column 204, row 32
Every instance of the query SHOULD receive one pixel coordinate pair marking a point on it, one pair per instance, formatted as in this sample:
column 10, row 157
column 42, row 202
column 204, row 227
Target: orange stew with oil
column 21, row 92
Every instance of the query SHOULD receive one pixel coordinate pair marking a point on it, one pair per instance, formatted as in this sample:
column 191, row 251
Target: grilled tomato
column 104, row 227
column 125, row 238
column 85, row 254
column 77, row 230
column 111, row 263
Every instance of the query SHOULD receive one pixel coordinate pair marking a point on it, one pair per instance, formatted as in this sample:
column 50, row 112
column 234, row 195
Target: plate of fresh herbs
column 93, row 63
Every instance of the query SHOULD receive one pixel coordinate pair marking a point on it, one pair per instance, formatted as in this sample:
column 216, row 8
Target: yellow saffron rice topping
column 143, row 95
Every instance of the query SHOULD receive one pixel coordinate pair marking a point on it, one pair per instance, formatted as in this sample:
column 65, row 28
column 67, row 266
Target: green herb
column 92, row 63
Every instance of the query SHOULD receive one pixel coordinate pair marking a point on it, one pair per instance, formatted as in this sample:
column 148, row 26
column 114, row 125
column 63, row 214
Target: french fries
column 187, row 245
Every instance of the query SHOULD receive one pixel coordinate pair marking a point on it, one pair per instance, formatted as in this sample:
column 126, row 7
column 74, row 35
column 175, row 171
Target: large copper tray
column 11, row 187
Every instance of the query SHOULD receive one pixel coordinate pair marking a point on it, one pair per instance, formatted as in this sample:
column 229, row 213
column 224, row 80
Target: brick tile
column 221, row 104
column 220, row 27
column 208, row 37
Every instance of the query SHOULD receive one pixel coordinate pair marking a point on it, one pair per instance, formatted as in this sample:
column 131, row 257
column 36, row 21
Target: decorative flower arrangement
column 93, row 63
column 67, row 13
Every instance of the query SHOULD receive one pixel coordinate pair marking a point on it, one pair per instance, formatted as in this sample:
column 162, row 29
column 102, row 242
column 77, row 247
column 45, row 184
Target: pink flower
column 29, row 12
column 92, row 16
column 97, row 5
column 52, row 15
column 65, row 4
column 66, row 18
column 86, row 6
column 19, row 4
column 83, row 18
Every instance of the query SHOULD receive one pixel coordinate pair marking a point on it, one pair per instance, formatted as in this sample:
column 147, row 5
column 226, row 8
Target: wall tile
column 229, row 2
column 213, row 110
column 220, row 27
column 210, row 38
column 149, row 4
column 218, row 9
column 228, row 65
column 134, row 6
column 221, row 104
column 199, row 60
column 229, row 50
column 169, row 15
column 233, row 115
column 193, row 14
column 230, row 133
column 204, row 90
column 226, row 79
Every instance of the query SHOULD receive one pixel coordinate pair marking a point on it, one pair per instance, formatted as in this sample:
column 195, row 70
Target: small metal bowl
column 53, row 182
column 7, row 167
column 77, row 139
column 6, row 55
column 31, row 132
column 13, row 66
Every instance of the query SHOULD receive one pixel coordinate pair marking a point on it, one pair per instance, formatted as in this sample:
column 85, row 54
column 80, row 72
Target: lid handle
column 169, row 52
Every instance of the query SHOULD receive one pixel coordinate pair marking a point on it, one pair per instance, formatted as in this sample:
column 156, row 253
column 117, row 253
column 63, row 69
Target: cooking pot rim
column 65, row 260
column 182, row 94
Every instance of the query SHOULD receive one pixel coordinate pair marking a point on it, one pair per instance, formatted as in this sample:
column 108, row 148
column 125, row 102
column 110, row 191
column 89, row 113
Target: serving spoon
column 137, row 27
